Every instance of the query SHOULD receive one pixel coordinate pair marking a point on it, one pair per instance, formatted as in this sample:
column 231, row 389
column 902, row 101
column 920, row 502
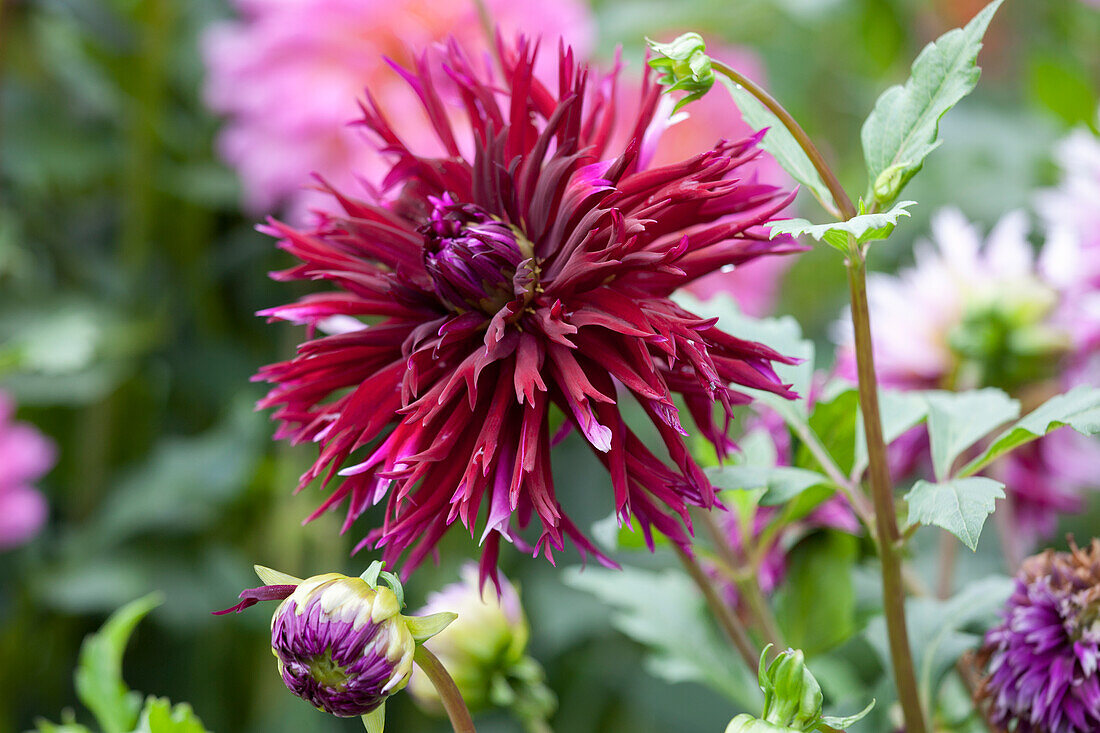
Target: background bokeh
column 129, row 276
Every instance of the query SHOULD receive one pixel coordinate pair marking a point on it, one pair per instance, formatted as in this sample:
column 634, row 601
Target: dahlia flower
column 1043, row 660
column 484, row 650
column 25, row 455
column 287, row 74
column 528, row 277
column 342, row 643
column 965, row 315
column 1072, row 217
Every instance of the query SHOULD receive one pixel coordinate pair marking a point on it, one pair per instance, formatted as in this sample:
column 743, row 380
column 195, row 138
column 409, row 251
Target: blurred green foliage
column 128, row 283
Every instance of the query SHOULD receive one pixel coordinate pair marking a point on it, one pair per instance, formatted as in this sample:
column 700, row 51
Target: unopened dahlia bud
column 1043, row 660
column 792, row 700
column 685, row 66
column 484, row 650
column 792, row 696
column 342, row 643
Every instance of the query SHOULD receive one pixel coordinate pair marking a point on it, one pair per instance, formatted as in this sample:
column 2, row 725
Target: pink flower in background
column 25, row 455
column 754, row 285
column 1071, row 213
column 971, row 314
column 968, row 313
column 289, row 73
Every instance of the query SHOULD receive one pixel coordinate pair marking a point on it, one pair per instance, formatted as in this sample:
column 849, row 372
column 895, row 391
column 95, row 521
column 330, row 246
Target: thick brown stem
column 721, row 611
column 449, row 696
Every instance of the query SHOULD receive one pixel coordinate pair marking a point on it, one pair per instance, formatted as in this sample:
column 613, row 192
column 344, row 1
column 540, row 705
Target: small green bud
column 795, row 697
column 889, row 183
column 684, row 66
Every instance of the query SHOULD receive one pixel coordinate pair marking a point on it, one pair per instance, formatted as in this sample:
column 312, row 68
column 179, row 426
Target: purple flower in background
column 288, row 73
column 25, row 456
column 1043, row 660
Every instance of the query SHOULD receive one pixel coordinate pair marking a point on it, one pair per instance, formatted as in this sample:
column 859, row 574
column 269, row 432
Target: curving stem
column 449, row 696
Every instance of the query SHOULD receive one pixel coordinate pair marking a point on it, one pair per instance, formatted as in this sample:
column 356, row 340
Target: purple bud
column 342, row 645
column 476, row 262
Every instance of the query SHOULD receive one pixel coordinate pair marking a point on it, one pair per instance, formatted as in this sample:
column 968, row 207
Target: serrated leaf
column 864, row 227
column 98, row 675
column 44, row 726
column 664, row 612
column 780, row 483
column 780, row 143
column 957, row 420
column 903, row 127
column 960, row 505
column 159, row 716
column 1079, row 408
column 901, row 411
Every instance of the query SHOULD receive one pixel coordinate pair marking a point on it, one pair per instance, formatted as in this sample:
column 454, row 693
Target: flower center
column 325, row 670
column 475, row 261
column 1007, row 343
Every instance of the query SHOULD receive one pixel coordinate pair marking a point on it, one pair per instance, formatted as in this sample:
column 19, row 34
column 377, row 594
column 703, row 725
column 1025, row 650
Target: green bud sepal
column 684, row 66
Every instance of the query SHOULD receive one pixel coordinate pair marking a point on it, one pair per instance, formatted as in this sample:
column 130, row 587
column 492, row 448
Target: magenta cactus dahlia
column 1044, row 658
column 526, row 270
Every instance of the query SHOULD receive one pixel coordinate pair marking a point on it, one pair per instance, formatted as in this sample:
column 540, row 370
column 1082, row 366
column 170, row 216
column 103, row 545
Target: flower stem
column 449, row 695
column 882, row 493
column 840, row 196
column 720, row 610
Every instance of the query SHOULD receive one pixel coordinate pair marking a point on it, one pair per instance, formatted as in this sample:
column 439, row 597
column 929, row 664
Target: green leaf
column 848, row 720
column 1079, row 408
column 960, row 505
column 903, row 127
column 664, row 612
column 865, row 227
column 833, row 421
column 901, row 411
column 957, row 420
column 780, row 483
column 780, row 143
column 159, row 716
column 816, row 605
column 42, row 725
column 98, row 676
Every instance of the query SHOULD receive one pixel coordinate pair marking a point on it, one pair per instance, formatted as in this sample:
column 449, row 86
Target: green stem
column 721, row 611
column 840, row 196
column 449, row 695
column 882, row 493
